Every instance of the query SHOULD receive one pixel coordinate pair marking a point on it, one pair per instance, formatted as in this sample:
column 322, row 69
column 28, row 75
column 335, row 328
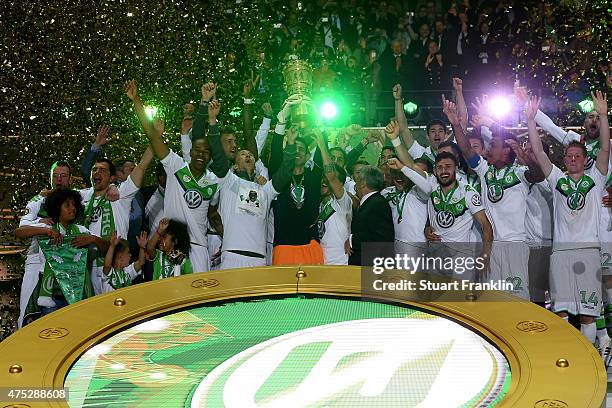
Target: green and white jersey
column 451, row 214
column 576, row 207
column 31, row 218
column 121, row 278
column 187, row 199
column 244, row 207
column 163, row 268
column 155, row 208
column 334, row 228
column 103, row 216
column 504, row 193
column 409, row 210
column 417, row 151
column 467, row 178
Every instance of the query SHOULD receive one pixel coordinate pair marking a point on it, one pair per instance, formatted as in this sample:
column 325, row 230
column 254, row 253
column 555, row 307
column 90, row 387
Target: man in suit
column 372, row 222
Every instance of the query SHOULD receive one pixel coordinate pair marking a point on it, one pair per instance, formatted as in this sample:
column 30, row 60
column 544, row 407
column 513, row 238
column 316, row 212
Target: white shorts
column 575, row 282
column 231, row 260
column 335, row 255
column 510, row 262
column 198, row 255
column 214, row 245
column 96, row 280
column 28, row 284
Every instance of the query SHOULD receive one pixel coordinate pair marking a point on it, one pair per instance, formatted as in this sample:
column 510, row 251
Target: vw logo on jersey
column 495, row 192
column 476, row 200
column 575, row 201
column 445, row 219
column 193, row 198
column 321, row 228
column 96, row 214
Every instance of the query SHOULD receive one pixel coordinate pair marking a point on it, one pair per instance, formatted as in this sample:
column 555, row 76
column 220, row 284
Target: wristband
column 396, row 142
column 248, row 101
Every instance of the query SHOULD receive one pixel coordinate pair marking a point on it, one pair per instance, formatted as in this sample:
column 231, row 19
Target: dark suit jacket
column 372, row 222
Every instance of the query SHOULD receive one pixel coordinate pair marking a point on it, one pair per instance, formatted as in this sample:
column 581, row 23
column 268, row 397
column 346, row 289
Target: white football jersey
column 334, row 227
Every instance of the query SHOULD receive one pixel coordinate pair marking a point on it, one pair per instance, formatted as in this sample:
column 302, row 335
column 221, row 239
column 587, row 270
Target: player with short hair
column 575, row 263
column 190, row 188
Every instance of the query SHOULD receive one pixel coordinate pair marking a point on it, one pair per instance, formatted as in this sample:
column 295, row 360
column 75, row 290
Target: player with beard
column 190, row 188
column 244, row 203
column 452, row 207
column 408, row 202
column 575, row 263
column 297, row 206
column 505, row 187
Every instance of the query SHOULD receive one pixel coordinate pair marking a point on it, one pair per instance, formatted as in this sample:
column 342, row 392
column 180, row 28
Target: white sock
column 589, row 331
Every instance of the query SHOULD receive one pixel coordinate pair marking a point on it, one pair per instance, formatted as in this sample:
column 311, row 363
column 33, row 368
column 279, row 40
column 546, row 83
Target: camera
column 324, row 19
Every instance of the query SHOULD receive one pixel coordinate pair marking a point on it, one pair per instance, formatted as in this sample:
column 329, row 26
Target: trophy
column 298, row 80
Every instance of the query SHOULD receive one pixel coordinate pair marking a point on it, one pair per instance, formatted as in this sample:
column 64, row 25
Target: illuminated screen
column 292, row 352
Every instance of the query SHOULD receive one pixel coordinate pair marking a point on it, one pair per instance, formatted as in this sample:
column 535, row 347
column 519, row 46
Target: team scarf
column 65, row 265
column 118, row 278
column 103, row 211
column 168, row 265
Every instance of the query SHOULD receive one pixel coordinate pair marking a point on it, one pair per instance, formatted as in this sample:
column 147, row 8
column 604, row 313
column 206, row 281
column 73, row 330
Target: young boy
column 117, row 269
column 172, row 257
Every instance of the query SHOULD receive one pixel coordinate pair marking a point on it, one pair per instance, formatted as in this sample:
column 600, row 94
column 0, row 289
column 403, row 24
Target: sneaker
column 605, row 350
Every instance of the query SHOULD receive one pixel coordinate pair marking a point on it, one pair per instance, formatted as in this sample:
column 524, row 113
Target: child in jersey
column 118, row 271
column 172, row 257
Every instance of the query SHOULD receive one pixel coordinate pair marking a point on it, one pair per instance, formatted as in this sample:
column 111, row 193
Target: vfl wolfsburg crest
column 193, row 198
column 575, row 201
column 325, row 353
column 495, row 192
column 445, row 219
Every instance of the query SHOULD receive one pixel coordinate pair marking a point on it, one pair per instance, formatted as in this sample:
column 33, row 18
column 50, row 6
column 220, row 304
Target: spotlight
column 586, row 105
column 329, row 110
column 151, row 112
column 500, row 106
column 411, row 108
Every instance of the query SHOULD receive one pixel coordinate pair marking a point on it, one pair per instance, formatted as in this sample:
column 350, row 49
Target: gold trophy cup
column 298, row 80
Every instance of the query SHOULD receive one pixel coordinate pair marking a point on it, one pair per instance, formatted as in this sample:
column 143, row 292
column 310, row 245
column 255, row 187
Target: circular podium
column 288, row 337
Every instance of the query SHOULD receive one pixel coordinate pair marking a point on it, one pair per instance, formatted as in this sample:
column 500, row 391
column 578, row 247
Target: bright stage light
column 500, row 106
column 586, row 105
column 411, row 108
column 329, row 110
column 151, row 112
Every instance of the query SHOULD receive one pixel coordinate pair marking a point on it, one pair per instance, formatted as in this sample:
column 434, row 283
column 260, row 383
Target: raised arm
column 220, row 165
column 154, row 238
column 145, row 161
column 450, row 110
column 142, row 251
column 247, row 117
column 264, row 128
column 328, row 167
column 209, row 90
column 392, row 130
column 400, row 116
column 416, row 175
column 534, row 137
column 282, row 177
column 93, row 153
column 546, row 123
column 108, row 258
column 600, row 100
column 276, row 156
column 155, row 137
column 461, row 106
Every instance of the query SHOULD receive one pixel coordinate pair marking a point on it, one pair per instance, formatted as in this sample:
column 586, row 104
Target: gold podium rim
column 536, row 343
